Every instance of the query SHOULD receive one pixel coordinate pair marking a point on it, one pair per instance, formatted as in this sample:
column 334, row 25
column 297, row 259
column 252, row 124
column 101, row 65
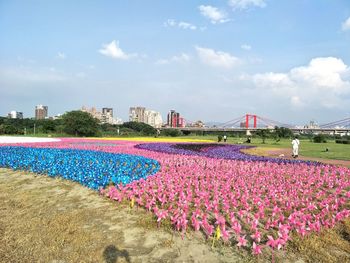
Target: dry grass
column 36, row 230
column 331, row 245
column 52, row 220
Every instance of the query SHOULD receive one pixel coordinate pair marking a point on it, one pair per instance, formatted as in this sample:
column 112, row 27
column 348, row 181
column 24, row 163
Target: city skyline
column 210, row 60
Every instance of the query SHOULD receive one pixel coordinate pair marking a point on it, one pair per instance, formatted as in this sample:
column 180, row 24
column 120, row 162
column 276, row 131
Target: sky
column 209, row 60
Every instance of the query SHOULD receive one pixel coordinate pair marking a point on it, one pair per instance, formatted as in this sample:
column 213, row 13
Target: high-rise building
column 106, row 116
column 107, row 111
column 137, row 114
column 153, row 118
column 15, row 115
column 93, row 112
column 41, row 112
column 150, row 117
column 174, row 120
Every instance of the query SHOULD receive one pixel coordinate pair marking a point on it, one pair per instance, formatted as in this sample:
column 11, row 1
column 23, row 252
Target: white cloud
column 246, row 47
column 114, row 51
column 322, row 72
column 216, row 58
column 245, row 4
column 346, row 25
column 182, row 58
column 215, row 15
column 323, row 82
column 61, row 55
column 185, row 25
column 272, row 80
column 181, row 24
column 170, row 22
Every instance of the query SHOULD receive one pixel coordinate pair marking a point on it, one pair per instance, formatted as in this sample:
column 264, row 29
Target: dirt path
column 52, row 220
column 285, row 153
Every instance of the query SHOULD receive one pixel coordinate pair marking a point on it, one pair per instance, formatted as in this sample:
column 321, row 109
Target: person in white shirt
column 295, row 144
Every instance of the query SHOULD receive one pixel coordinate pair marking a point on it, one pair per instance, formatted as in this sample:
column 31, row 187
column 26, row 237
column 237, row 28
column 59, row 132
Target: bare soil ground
column 46, row 219
column 52, row 220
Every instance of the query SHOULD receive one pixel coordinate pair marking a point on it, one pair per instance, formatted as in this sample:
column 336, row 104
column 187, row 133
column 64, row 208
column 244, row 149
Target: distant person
column 248, row 140
column 225, row 138
column 295, row 145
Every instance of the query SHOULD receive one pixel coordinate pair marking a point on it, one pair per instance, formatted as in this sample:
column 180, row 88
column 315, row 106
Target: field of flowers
column 246, row 201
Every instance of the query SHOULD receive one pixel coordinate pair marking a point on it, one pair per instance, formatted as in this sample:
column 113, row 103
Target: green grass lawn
column 310, row 149
column 307, row 148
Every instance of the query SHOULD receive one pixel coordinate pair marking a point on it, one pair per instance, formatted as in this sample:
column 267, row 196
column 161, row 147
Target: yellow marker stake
column 132, row 202
column 217, row 235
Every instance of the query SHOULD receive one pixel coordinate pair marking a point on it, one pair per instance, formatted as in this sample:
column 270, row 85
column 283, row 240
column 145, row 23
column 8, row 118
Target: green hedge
column 343, row 141
column 320, row 138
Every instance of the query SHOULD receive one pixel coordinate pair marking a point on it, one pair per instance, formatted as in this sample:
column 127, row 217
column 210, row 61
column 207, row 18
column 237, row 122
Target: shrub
column 343, row 141
column 262, row 134
column 141, row 127
column 171, row 132
column 320, row 138
column 282, row 132
column 186, row 133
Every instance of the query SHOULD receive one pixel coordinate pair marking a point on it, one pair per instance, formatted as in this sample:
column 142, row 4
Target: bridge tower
column 248, row 117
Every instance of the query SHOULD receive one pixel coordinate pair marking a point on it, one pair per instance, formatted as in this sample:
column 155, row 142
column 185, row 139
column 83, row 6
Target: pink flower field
column 256, row 205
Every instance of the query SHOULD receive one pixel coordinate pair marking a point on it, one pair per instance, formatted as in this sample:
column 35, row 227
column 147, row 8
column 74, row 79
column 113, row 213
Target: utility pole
column 34, row 128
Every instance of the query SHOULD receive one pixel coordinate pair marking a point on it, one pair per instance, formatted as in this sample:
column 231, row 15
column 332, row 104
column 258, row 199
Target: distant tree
column 282, row 132
column 320, row 138
column 171, row 132
column 80, row 123
column 186, row 133
column 8, row 129
column 219, row 138
column 48, row 126
column 140, row 127
column 262, row 134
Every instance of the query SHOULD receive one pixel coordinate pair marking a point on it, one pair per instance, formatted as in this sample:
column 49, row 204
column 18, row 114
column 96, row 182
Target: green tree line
column 73, row 123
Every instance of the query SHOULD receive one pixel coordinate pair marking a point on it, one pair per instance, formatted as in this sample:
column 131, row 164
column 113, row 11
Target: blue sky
column 209, row 60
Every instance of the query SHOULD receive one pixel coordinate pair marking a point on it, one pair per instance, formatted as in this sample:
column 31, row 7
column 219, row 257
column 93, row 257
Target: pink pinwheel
column 256, row 236
column 225, row 234
column 208, row 228
column 256, row 249
column 242, row 242
column 254, row 224
column 272, row 242
column 237, row 228
column 243, row 198
column 161, row 214
column 195, row 222
column 220, row 220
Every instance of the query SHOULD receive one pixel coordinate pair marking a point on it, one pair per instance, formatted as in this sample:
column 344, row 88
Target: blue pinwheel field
column 93, row 169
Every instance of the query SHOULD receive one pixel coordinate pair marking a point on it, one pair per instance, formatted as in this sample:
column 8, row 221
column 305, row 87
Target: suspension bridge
column 253, row 122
